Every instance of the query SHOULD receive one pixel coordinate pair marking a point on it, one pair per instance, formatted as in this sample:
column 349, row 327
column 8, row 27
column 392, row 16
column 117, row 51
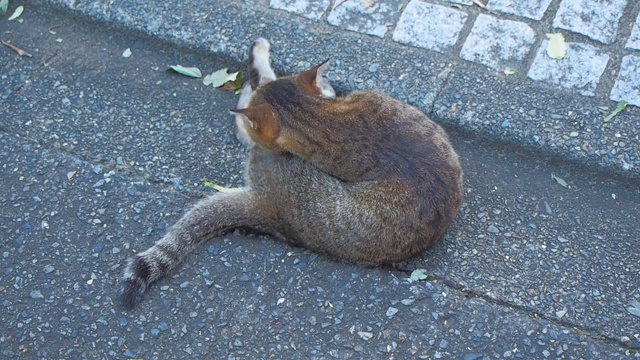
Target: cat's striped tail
column 211, row 216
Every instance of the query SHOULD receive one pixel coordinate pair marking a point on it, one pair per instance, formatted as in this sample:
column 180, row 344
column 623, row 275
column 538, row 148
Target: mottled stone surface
column 597, row 19
column 499, row 44
column 580, row 69
column 634, row 39
column 368, row 16
column 429, row 26
column 532, row 9
column 627, row 86
column 311, row 9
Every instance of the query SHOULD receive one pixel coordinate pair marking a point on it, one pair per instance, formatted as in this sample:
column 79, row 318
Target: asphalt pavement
column 100, row 153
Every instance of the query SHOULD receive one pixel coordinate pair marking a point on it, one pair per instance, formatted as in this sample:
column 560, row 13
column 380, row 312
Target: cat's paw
column 260, row 71
column 260, row 48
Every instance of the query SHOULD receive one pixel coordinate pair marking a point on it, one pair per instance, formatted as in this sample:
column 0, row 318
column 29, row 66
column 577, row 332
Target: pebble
column 176, row 184
column 36, row 294
column 545, row 208
column 119, row 160
column 244, row 278
column 48, row 269
column 129, row 354
column 155, row 332
column 493, row 229
column 391, row 311
column 122, row 321
column 573, row 134
column 374, row 67
column 473, row 356
column 365, row 335
column 407, row 302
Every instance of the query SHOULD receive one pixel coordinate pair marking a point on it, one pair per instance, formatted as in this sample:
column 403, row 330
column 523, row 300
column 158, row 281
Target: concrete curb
column 464, row 96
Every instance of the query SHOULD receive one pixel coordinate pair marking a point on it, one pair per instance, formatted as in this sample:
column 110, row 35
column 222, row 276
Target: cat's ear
column 312, row 82
column 262, row 121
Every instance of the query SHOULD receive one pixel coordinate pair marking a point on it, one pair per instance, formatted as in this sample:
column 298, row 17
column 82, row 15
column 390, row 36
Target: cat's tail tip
column 134, row 283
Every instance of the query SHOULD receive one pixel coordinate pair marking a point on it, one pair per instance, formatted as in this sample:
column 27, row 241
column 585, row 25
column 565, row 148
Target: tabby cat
column 364, row 178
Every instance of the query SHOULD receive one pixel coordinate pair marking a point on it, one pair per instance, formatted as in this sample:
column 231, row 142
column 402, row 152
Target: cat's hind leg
column 259, row 72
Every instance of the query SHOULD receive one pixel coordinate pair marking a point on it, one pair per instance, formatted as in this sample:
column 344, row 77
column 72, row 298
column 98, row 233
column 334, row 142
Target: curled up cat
column 364, row 178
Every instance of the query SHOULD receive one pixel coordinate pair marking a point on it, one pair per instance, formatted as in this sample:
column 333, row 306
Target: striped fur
column 364, row 179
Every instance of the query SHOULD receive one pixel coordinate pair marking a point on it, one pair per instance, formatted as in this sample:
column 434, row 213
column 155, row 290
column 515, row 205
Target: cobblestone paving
column 508, row 35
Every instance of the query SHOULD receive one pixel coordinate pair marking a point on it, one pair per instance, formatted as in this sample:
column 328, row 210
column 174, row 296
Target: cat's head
column 273, row 102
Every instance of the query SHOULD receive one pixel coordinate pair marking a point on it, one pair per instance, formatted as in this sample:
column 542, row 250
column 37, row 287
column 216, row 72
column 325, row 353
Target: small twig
column 16, row 49
column 340, row 3
column 55, row 27
column 477, row 2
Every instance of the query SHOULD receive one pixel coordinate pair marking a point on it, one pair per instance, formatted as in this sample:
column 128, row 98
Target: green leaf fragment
column 186, row 71
column 216, row 186
column 508, row 72
column 4, row 5
column 556, row 46
column 16, row 13
column 219, row 78
column 621, row 106
column 126, row 53
column 560, row 181
column 418, row 274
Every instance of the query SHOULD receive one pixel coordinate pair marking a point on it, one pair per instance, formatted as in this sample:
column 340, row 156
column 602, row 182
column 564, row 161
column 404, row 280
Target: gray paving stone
column 532, row 9
column 580, row 69
column 627, row 86
column 429, row 26
column 365, row 16
column 597, row 19
column 311, row 9
column 499, row 44
column 634, row 39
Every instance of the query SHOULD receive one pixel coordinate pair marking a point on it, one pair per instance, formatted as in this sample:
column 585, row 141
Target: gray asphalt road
column 100, row 154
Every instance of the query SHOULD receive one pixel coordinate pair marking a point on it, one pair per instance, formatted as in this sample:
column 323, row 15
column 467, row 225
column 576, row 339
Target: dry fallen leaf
column 218, row 78
column 367, row 4
column 482, row 6
column 560, row 181
column 556, row 47
column 18, row 11
column 4, row 5
column 187, row 71
column 621, row 106
column 216, row 186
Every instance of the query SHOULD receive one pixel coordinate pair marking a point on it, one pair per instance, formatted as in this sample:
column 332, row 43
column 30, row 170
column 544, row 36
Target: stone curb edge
column 464, row 97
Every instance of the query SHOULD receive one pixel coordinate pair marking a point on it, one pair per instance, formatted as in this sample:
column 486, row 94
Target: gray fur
column 369, row 192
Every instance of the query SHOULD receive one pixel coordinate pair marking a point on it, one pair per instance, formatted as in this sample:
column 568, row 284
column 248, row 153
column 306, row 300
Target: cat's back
column 404, row 140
